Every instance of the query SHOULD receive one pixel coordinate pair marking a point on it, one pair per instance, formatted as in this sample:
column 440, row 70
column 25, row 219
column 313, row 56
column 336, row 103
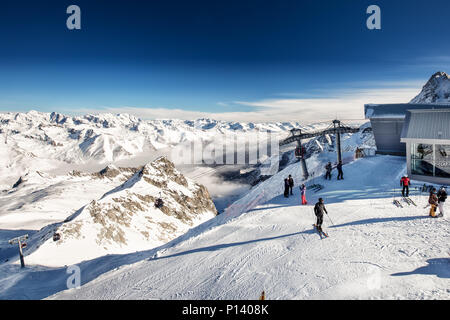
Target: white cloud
column 344, row 105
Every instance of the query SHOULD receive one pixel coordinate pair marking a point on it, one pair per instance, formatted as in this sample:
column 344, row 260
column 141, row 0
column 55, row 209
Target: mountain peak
column 436, row 90
column 439, row 74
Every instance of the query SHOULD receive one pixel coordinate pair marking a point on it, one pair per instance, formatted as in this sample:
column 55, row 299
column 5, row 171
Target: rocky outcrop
column 126, row 219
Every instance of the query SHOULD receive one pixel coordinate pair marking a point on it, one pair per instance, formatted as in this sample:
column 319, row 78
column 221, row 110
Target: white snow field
column 375, row 250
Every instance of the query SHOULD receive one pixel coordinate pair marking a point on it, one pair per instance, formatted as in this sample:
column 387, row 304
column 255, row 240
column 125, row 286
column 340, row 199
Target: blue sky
column 224, row 59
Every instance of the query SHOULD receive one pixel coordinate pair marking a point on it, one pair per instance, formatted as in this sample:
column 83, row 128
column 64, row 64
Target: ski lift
column 159, row 203
column 299, row 152
column 24, row 245
column 56, row 236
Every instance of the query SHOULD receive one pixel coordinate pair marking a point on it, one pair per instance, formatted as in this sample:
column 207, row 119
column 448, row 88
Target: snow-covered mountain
column 436, row 90
column 37, row 141
column 131, row 249
column 125, row 219
column 37, row 198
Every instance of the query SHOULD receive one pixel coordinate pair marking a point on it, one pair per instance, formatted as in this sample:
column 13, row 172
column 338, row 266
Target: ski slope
column 375, row 250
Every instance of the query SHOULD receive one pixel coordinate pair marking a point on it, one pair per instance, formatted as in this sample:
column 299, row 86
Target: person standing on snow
column 442, row 196
column 319, row 209
column 328, row 167
column 340, row 172
column 433, row 201
column 286, row 188
column 303, row 193
column 291, row 184
column 404, row 182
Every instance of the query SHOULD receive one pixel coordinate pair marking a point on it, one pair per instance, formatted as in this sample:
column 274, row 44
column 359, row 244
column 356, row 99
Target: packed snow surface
column 375, row 250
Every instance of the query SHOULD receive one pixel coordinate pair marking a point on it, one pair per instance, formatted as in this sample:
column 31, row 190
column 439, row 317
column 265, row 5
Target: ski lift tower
column 338, row 129
column 338, row 139
column 335, row 128
column 22, row 244
column 297, row 136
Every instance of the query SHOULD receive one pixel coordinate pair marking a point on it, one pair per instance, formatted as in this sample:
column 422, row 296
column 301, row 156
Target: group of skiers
column 319, row 207
column 437, row 200
column 289, row 185
column 329, row 168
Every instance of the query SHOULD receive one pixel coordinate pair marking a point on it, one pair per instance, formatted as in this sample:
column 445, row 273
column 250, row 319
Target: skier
column 340, row 172
column 404, row 182
column 328, row 167
column 291, row 184
column 442, row 196
column 433, row 201
column 286, row 188
column 319, row 209
column 303, row 193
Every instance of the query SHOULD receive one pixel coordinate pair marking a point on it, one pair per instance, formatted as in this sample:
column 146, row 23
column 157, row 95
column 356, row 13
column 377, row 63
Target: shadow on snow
column 439, row 267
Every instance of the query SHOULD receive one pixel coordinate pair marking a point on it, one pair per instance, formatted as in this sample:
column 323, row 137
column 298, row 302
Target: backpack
column 432, row 199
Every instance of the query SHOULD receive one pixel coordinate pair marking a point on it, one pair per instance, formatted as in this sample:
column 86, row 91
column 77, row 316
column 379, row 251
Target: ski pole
column 330, row 220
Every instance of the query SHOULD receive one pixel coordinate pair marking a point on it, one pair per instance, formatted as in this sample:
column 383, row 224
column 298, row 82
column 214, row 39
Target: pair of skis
column 398, row 204
column 408, row 200
column 321, row 233
column 315, row 187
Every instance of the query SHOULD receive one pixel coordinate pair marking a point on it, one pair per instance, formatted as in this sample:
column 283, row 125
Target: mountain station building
column 420, row 132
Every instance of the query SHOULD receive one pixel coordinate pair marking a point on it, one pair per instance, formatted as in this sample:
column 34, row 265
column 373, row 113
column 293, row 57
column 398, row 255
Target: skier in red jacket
column 404, row 181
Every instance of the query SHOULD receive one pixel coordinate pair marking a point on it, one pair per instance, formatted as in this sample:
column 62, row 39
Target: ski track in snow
column 375, row 250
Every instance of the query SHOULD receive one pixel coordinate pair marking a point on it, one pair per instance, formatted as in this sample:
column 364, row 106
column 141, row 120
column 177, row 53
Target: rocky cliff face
column 436, row 90
column 125, row 219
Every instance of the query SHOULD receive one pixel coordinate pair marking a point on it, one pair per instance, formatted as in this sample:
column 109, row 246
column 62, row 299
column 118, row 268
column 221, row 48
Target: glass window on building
column 442, row 161
column 422, row 159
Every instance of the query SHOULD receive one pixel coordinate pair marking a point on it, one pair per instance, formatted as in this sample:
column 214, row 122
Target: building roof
column 399, row 110
column 427, row 124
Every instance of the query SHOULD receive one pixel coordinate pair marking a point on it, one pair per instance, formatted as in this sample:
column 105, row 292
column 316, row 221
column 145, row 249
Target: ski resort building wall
column 426, row 133
column 387, row 122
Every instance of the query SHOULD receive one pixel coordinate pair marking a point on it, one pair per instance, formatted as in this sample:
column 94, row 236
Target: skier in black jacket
column 319, row 209
column 286, row 188
column 340, row 172
column 291, row 184
column 328, row 168
column 442, row 196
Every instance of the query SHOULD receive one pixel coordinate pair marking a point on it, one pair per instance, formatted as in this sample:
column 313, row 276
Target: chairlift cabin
column 299, row 152
column 159, row 203
column 56, row 236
